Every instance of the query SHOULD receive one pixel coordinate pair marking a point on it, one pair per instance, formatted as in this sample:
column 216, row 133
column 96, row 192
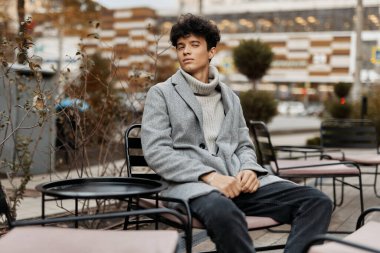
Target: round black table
column 100, row 188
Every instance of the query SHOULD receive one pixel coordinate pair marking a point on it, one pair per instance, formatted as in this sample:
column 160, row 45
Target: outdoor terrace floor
column 344, row 217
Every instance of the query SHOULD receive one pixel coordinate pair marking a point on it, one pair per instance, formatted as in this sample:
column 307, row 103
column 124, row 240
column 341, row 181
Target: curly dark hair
column 190, row 24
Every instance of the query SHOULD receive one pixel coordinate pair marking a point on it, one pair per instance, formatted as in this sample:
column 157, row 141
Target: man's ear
column 211, row 53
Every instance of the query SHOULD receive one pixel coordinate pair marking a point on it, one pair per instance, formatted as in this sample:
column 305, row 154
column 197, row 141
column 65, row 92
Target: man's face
column 193, row 55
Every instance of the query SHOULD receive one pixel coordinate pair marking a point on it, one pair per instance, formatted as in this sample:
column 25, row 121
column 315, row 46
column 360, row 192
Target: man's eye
column 180, row 47
column 195, row 45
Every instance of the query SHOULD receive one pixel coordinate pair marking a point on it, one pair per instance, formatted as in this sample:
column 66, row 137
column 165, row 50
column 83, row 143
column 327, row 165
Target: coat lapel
column 187, row 95
column 225, row 130
column 226, row 99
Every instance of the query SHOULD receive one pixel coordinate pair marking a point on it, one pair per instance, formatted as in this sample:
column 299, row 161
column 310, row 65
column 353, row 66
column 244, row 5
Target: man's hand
column 229, row 186
column 248, row 181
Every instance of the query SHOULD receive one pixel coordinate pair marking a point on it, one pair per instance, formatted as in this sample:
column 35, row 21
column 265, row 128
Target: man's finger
column 244, row 177
column 239, row 176
column 255, row 186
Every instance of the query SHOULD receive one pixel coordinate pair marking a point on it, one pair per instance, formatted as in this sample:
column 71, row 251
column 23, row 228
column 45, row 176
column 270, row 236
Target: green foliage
column 373, row 110
column 253, row 58
column 342, row 90
column 340, row 111
column 258, row 105
column 339, row 108
column 315, row 141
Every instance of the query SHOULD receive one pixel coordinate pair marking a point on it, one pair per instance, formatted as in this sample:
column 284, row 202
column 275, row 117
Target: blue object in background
column 74, row 103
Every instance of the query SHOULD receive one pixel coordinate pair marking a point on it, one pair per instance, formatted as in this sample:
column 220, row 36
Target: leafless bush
column 89, row 133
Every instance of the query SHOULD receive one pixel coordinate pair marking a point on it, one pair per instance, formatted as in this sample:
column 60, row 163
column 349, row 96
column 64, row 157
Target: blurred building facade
column 313, row 41
column 126, row 36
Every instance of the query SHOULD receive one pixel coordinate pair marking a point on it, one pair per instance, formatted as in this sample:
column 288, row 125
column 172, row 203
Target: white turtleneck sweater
column 210, row 100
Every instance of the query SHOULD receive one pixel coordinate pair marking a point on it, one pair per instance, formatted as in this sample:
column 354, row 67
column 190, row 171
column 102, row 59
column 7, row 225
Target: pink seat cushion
column 149, row 203
column 367, row 159
column 254, row 222
column 338, row 169
column 66, row 240
column 367, row 235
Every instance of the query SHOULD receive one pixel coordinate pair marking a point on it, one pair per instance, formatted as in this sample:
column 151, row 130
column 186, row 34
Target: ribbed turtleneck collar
column 201, row 88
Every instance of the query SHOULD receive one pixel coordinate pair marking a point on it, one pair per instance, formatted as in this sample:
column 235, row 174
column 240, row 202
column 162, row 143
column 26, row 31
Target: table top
column 64, row 240
column 102, row 187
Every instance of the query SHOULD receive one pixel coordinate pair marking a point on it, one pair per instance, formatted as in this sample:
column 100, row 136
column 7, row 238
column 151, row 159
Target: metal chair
column 290, row 168
column 135, row 158
column 364, row 239
column 352, row 133
column 70, row 239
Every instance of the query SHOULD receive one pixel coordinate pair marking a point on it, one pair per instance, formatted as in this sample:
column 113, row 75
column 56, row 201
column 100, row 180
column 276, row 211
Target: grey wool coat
column 174, row 145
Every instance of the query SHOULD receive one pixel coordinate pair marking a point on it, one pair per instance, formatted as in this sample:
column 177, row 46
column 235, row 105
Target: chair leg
column 336, row 203
column 375, row 182
column 189, row 239
column 126, row 220
column 334, row 194
column 359, row 187
column 137, row 216
column 315, row 182
column 318, row 182
column 321, row 183
column 341, row 193
column 361, row 193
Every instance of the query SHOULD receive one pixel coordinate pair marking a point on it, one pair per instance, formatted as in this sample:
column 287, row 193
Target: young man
column 194, row 136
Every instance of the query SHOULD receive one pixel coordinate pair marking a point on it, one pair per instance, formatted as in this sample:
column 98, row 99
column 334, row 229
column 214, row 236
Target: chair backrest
column 264, row 148
column 4, row 207
column 348, row 133
column 134, row 155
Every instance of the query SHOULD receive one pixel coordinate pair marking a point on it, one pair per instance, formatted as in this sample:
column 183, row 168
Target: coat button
column 202, row 146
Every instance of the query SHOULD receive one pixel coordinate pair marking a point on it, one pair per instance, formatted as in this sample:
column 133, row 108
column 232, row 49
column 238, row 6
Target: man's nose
column 186, row 50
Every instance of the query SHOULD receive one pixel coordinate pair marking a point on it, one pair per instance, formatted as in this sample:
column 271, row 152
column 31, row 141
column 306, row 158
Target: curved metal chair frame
column 352, row 133
column 303, row 168
column 355, row 245
column 135, row 158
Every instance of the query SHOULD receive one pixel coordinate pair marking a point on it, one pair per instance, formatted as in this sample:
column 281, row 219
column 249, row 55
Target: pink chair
column 44, row 239
column 63, row 240
column 354, row 134
column 293, row 168
column 364, row 239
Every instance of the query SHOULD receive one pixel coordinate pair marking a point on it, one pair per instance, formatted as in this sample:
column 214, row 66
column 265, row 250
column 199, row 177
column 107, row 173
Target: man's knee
column 322, row 201
column 219, row 209
column 226, row 210
column 327, row 203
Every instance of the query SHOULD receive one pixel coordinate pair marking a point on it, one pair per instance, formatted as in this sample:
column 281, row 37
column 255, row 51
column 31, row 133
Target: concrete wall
column 11, row 100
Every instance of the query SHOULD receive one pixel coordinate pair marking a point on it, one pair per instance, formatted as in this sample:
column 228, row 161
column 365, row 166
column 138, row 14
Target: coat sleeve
column 246, row 150
column 157, row 143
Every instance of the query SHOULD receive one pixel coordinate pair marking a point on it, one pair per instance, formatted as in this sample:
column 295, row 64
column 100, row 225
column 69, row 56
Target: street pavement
column 283, row 124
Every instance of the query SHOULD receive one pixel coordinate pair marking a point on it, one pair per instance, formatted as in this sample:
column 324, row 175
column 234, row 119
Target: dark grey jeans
column 307, row 209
